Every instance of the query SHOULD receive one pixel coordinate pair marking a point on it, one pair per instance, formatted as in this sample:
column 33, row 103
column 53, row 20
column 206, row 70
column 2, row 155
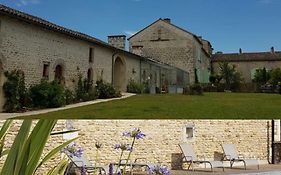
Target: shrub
column 69, row 97
column 231, row 77
column 106, row 90
column 134, row 87
column 47, row 94
column 85, row 90
column 195, row 89
column 15, row 91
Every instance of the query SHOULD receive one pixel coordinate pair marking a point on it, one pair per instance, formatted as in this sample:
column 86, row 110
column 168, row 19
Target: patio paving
column 264, row 170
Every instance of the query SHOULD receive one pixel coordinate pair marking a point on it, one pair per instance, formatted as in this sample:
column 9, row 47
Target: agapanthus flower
column 111, row 169
column 135, row 133
column 83, row 170
column 71, row 150
column 159, row 170
column 123, row 147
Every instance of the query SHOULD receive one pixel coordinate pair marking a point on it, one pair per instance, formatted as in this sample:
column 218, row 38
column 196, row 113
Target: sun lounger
column 82, row 162
column 231, row 154
column 190, row 157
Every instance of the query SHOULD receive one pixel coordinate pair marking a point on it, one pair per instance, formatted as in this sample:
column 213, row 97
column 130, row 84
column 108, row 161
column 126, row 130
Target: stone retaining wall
column 251, row 137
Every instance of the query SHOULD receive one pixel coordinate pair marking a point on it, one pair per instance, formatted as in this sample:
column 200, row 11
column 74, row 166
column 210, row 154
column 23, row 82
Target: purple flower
column 83, row 170
column 123, row 147
column 135, row 133
column 78, row 152
column 111, row 169
column 159, row 170
column 126, row 134
column 71, row 150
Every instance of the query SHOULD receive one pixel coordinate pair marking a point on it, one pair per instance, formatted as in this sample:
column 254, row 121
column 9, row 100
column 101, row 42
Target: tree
column 231, row 77
column 261, row 76
column 275, row 76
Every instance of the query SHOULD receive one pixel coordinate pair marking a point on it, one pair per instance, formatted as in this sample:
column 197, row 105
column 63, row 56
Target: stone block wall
column 251, row 137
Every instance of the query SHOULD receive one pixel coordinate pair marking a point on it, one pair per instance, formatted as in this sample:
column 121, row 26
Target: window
column 90, row 74
column 91, row 55
column 46, row 67
column 188, row 132
column 59, row 74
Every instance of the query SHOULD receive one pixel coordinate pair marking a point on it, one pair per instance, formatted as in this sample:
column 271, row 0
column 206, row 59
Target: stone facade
column 44, row 50
column 172, row 45
column 247, row 63
column 251, row 137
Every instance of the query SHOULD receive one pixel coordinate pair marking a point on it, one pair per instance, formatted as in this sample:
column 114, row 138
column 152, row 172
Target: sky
column 252, row 25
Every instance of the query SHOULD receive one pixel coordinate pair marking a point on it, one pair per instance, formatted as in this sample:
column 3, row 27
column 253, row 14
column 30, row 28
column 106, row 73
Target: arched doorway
column 119, row 74
column 59, row 74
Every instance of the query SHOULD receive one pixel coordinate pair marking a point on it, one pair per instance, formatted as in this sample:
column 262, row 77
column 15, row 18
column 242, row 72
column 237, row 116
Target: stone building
column 170, row 44
column 41, row 49
column 247, row 63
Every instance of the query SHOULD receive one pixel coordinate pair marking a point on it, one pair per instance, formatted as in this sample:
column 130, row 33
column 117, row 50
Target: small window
column 91, row 55
column 46, row 67
column 188, row 132
column 90, row 74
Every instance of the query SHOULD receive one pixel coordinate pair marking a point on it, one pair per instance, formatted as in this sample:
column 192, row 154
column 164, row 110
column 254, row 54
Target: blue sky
column 253, row 25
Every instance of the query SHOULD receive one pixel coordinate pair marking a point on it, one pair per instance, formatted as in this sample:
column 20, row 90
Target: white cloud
column 130, row 33
column 27, row 2
column 136, row 0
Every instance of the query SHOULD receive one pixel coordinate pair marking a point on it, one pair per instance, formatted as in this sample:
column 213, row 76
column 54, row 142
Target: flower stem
column 97, row 156
column 116, row 171
column 124, row 169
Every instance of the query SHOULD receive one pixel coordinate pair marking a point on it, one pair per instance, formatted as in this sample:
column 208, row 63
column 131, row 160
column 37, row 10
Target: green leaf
column 38, row 139
column 55, row 151
column 17, row 146
column 60, row 168
column 64, row 132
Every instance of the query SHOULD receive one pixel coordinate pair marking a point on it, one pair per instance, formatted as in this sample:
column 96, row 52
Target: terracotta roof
column 4, row 10
column 256, row 56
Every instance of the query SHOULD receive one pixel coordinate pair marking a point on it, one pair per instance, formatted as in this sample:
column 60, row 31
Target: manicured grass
column 166, row 106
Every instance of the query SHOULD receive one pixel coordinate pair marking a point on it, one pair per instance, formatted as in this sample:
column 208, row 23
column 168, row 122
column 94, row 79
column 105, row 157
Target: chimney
column 240, row 51
column 272, row 49
column 117, row 41
column 168, row 20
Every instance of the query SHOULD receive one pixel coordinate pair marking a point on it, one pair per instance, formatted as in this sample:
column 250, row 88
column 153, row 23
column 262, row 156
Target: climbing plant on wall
column 14, row 90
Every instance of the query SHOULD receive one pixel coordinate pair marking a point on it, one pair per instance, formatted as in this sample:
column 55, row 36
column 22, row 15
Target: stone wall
column 29, row 47
column 247, row 68
column 169, row 44
column 251, row 137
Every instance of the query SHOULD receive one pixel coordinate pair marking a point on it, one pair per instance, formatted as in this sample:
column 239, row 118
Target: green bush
column 47, row 94
column 106, row 90
column 134, row 87
column 85, row 90
column 195, row 89
column 69, row 97
column 15, row 91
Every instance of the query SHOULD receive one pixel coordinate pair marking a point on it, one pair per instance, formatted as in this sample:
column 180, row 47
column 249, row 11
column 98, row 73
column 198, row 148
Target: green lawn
column 208, row 106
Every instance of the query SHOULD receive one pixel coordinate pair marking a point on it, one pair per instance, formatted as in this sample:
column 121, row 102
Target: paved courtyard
column 264, row 170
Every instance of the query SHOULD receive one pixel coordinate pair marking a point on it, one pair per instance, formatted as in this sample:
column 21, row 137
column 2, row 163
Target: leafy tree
column 261, row 76
column 231, row 77
column 275, row 76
